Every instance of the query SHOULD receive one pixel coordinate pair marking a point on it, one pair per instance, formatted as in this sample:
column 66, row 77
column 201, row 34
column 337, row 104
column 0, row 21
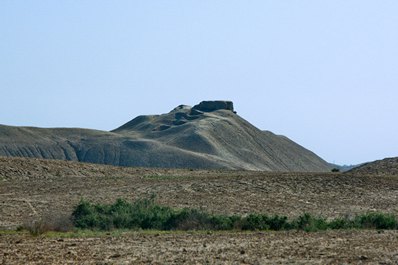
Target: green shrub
column 278, row 222
column 341, row 223
column 143, row 214
column 146, row 214
column 223, row 222
column 377, row 221
column 309, row 223
column 255, row 222
column 189, row 219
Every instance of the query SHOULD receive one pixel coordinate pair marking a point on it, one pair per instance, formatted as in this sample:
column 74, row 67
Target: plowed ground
column 31, row 188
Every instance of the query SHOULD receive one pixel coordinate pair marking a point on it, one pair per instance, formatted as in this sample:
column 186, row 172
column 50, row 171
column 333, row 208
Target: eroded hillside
column 209, row 135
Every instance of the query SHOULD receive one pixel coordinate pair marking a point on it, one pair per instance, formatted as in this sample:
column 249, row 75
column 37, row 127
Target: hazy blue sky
column 323, row 73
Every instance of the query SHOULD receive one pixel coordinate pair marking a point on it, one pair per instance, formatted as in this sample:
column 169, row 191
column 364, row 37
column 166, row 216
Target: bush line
column 146, row 214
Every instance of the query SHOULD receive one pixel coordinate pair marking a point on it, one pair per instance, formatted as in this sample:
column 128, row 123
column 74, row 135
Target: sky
column 323, row 73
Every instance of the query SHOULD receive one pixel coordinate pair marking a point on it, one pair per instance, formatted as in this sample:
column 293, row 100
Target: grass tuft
column 40, row 225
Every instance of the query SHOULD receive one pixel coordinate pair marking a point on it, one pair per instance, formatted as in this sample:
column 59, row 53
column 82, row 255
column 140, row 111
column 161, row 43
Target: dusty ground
column 31, row 188
column 341, row 247
column 37, row 187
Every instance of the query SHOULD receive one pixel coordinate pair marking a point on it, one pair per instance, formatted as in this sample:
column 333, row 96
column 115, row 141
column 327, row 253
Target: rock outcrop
column 209, row 106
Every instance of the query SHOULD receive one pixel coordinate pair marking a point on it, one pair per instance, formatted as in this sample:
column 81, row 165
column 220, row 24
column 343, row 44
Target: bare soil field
column 331, row 247
column 30, row 188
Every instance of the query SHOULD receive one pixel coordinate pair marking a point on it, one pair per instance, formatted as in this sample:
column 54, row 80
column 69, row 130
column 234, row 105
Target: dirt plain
column 31, row 187
column 331, row 247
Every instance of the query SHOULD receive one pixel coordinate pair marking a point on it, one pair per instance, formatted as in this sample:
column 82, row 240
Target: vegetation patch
column 39, row 225
column 146, row 214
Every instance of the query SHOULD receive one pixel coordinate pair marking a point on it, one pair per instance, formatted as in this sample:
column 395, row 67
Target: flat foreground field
column 330, row 247
column 30, row 188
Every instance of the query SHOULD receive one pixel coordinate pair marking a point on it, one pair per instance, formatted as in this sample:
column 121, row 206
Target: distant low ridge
column 387, row 166
column 209, row 135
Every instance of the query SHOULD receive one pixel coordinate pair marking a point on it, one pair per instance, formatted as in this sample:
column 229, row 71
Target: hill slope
column 387, row 166
column 209, row 135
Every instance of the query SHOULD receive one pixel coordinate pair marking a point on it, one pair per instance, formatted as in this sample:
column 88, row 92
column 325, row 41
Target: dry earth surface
column 30, row 188
column 331, row 247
